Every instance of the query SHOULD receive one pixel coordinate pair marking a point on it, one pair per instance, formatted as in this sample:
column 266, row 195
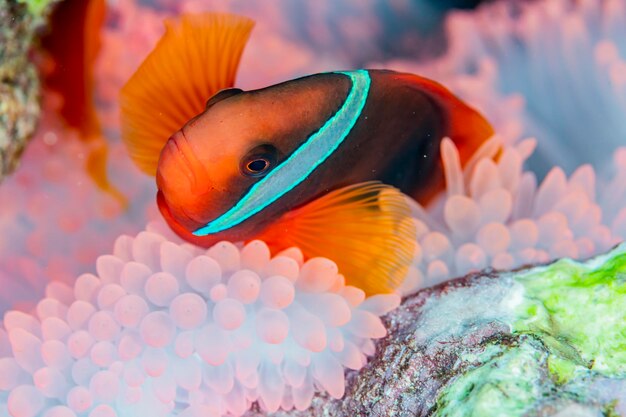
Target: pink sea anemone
column 165, row 326
column 563, row 64
column 54, row 221
column 495, row 214
column 50, row 239
column 553, row 70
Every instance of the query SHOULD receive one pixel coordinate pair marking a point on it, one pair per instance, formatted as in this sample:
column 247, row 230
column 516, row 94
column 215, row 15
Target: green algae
column 579, row 311
column 610, row 411
column 36, row 7
column 568, row 324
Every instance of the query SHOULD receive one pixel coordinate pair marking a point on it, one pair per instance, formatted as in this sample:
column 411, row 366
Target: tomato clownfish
column 323, row 162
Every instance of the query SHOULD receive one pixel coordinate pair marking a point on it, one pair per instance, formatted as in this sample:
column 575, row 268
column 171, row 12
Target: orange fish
column 321, row 162
column 73, row 43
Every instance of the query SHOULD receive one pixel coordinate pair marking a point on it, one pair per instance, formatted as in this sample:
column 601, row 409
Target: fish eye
column 259, row 161
column 257, row 166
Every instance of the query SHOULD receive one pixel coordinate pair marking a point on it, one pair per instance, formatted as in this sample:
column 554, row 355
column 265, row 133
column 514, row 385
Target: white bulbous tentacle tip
column 502, row 219
column 228, row 326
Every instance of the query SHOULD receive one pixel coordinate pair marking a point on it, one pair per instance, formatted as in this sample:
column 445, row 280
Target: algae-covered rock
column 543, row 341
column 19, row 83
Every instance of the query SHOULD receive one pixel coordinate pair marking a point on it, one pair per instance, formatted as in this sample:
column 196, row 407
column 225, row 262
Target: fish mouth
column 181, row 229
column 181, row 218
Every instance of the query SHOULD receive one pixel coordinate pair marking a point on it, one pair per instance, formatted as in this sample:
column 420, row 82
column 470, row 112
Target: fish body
column 322, row 162
column 328, row 131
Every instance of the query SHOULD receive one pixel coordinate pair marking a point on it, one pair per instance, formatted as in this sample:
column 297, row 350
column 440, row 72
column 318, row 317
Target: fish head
column 211, row 161
column 211, row 166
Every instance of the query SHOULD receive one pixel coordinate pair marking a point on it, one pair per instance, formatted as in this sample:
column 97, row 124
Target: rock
column 542, row 341
column 19, row 82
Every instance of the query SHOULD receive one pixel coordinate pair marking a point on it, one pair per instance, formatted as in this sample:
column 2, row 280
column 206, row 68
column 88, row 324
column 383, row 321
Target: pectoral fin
column 365, row 228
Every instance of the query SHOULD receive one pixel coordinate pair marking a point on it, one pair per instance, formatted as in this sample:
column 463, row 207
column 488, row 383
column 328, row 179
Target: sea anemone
column 494, row 215
column 55, row 222
column 562, row 61
column 166, row 326
column 552, row 70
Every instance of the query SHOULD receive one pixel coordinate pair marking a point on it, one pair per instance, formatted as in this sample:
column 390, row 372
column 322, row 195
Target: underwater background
column 550, row 76
column 546, row 71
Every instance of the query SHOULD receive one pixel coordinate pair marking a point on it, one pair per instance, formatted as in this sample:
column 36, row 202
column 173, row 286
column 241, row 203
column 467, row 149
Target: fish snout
column 178, row 160
column 183, row 182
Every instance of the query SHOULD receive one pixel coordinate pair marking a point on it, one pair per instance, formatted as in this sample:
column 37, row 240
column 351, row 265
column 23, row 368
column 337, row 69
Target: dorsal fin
column 197, row 56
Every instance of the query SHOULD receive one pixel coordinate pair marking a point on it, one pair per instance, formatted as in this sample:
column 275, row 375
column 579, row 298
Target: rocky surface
column 543, row 341
column 19, row 83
